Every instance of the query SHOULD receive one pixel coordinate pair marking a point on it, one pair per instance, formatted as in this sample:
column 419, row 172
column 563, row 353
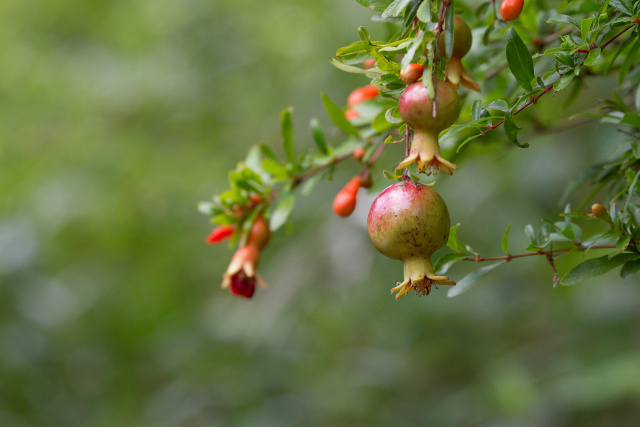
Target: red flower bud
column 220, row 233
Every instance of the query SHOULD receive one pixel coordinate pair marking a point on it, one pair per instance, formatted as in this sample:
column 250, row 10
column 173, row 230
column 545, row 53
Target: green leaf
column 592, row 57
column 632, row 119
column 391, row 176
column 585, row 26
column 469, row 139
column 377, row 5
column 287, row 135
column 563, row 81
column 623, row 6
column 453, row 242
column 355, row 53
column 318, row 136
column 498, row 104
column 424, row 11
column 630, row 268
column 337, row 116
column 564, row 19
column 471, row 279
column 511, row 130
column 519, row 59
column 446, row 261
column 448, row 32
column 531, row 234
column 383, row 63
column 476, row 109
column 351, row 69
column 281, row 211
column 595, row 267
column 505, row 240
column 395, row 8
column 274, row 168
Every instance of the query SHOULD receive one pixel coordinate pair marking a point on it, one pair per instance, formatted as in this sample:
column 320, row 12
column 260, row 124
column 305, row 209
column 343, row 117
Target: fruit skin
column 412, row 73
column 416, row 109
column 345, row 201
column 361, row 94
column 410, row 221
column 511, row 9
column 462, row 39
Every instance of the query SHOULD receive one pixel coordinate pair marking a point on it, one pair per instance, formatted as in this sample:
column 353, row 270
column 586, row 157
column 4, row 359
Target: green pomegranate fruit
column 462, row 39
column 454, row 71
column 416, row 109
column 410, row 222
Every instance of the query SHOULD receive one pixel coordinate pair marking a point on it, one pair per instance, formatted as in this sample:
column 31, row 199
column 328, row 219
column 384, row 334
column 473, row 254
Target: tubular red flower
column 241, row 275
column 219, row 234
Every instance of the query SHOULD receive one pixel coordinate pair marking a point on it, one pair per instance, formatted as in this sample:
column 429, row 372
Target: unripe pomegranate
column 345, row 201
column 409, row 221
column 412, row 73
column 598, row 210
column 462, row 39
column 259, row 234
column 455, row 72
column 361, row 94
column 511, row 9
column 416, row 109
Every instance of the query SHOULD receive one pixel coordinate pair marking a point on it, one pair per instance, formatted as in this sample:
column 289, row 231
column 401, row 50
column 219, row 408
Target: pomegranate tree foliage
column 544, row 51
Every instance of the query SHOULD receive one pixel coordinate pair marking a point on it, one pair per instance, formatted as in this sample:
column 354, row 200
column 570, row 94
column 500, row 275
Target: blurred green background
column 118, row 117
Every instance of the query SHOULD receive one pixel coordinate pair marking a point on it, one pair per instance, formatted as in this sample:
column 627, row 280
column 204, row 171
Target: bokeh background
column 118, row 117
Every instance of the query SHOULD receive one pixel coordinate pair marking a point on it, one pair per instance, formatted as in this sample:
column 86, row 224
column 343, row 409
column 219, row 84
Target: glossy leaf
column 471, row 279
column 281, row 211
column 505, row 240
column 519, row 59
column 336, row 115
column 595, row 267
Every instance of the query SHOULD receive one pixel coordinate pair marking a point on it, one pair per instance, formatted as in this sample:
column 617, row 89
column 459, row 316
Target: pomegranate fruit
column 462, row 39
column 416, row 109
column 511, row 9
column 409, row 221
column 454, row 71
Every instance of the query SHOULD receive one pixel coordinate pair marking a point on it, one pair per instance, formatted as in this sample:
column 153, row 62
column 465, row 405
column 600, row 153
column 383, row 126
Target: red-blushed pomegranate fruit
column 412, row 73
column 409, row 221
column 416, row 109
column 511, row 9
column 345, row 201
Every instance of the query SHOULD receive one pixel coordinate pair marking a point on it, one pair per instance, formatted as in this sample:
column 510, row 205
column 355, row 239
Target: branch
column 548, row 253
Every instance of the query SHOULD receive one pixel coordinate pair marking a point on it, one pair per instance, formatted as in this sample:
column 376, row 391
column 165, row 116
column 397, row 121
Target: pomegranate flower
column 241, row 276
column 219, row 234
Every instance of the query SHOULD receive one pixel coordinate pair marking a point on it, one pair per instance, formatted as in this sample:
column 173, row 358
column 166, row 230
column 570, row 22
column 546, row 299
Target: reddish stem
column 509, row 257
